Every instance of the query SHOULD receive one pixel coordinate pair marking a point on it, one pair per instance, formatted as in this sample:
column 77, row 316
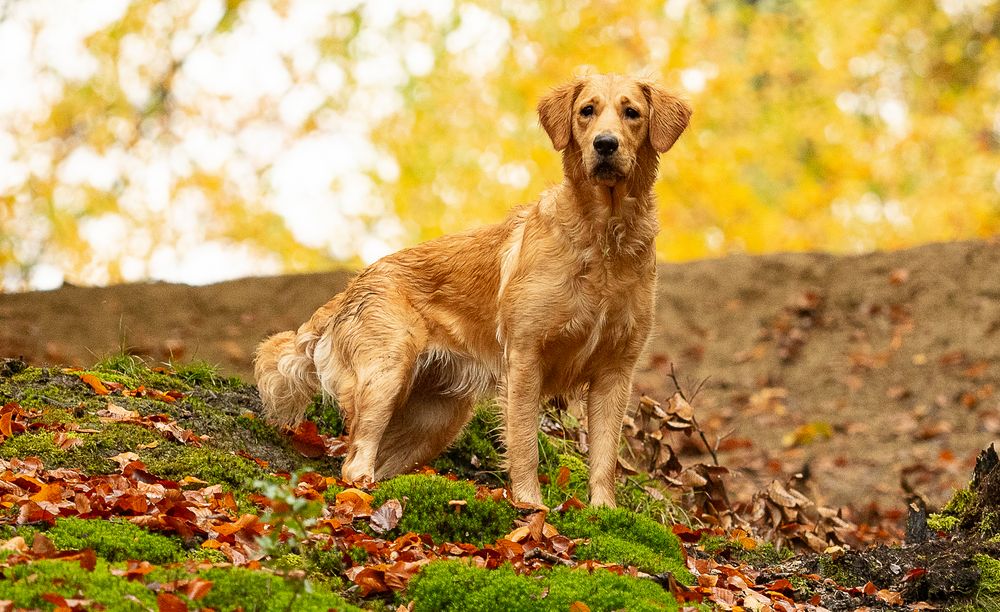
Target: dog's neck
column 618, row 219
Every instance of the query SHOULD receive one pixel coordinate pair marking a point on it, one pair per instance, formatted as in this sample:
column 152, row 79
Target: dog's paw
column 357, row 473
column 528, row 495
column 602, row 500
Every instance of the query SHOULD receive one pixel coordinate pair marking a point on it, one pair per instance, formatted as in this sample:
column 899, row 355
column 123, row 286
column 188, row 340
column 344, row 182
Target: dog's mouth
column 605, row 170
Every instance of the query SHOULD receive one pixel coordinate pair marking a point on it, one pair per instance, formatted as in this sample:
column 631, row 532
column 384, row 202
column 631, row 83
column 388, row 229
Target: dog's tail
column 286, row 376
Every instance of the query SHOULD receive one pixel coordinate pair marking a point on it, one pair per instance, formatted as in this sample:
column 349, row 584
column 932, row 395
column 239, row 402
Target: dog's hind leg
column 419, row 431
column 381, row 385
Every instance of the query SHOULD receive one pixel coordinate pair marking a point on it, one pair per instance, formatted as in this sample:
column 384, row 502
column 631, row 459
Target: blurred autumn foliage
column 194, row 140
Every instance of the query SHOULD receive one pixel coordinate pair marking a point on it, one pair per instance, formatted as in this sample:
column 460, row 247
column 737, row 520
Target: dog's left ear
column 669, row 116
column 555, row 112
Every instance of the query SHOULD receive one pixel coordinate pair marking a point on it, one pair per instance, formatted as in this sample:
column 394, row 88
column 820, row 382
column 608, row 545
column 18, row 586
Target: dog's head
column 610, row 121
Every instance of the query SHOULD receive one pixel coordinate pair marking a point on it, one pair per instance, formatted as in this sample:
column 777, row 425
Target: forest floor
column 125, row 487
column 834, row 392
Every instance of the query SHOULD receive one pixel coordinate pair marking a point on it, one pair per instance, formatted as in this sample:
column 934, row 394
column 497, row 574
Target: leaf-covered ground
column 125, row 487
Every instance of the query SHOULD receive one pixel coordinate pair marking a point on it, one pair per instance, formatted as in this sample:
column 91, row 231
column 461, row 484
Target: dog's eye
column 631, row 113
column 587, row 111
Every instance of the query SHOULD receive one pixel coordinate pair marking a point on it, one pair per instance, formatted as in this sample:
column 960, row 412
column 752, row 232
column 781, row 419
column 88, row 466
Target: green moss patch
column 133, row 372
column 209, row 464
column 326, row 415
column 567, row 477
column 26, row 584
column 426, row 509
column 266, row 592
column 621, row 536
column 942, row 522
column 452, row 585
column 476, row 454
column 203, row 374
column 114, row 540
column 91, row 455
column 960, row 503
column 989, row 574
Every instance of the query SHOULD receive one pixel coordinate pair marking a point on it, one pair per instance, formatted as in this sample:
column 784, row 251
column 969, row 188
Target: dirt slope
column 875, row 372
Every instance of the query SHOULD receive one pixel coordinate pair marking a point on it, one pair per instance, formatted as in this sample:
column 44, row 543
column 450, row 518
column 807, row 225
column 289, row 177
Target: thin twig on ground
column 694, row 421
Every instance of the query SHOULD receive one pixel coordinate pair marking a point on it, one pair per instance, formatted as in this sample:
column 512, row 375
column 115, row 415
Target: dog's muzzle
column 605, row 164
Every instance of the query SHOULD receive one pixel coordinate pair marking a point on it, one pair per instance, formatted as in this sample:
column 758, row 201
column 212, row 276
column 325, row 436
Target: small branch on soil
column 55, row 402
column 712, row 450
column 538, row 553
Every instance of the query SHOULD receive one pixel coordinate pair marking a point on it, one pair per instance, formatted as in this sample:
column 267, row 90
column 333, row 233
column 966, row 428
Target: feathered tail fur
column 286, row 377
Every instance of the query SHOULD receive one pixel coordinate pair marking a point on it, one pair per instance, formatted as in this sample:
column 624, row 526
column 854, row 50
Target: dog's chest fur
column 605, row 315
column 588, row 305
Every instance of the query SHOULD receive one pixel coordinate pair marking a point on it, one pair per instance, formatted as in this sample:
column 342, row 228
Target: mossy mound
column 977, row 507
column 266, row 592
column 114, row 540
column 92, row 455
column 427, row 509
column 452, row 585
column 69, row 424
column 27, row 585
column 621, row 536
column 222, row 411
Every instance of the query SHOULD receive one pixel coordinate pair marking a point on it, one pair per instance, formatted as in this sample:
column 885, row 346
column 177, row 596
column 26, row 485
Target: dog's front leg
column 523, row 396
column 606, row 404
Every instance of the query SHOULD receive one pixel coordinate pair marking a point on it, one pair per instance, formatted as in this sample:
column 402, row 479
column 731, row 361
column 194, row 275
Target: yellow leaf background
column 819, row 125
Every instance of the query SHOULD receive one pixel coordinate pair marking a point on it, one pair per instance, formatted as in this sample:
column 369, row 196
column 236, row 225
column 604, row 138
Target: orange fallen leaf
column 5, row 428
column 123, row 459
column 17, row 544
column 537, row 526
column 518, row 534
column 247, row 520
column 138, row 569
column 198, row 588
column 355, row 501
column 56, row 600
column 562, row 479
column 41, row 545
column 117, row 413
column 893, row 598
column 168, row 602
column 370, row 579
column 65, row 441
column 51, row 492
column 95, row 384
column 570, row 504
column 307, row 440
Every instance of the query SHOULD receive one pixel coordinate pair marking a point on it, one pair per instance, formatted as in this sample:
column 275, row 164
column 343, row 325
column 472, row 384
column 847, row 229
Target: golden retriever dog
column 558, row 299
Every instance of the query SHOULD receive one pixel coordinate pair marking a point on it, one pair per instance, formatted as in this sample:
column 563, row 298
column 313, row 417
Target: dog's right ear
column 555, row 112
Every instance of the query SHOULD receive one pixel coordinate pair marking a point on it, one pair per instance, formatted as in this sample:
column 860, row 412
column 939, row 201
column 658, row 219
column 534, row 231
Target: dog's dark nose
column 606, row 144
